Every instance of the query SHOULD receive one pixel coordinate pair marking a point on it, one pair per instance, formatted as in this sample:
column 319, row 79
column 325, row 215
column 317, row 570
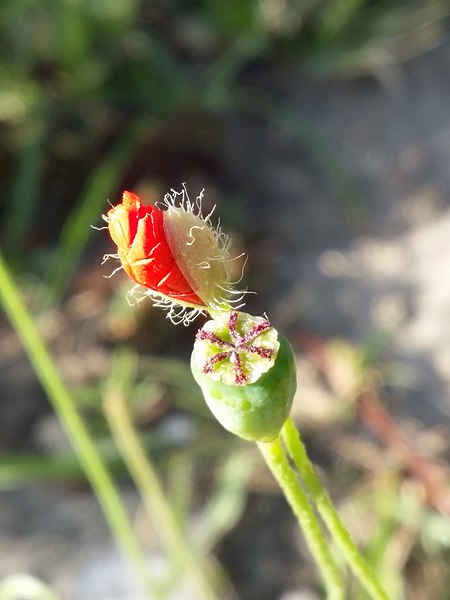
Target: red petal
column 144, row 251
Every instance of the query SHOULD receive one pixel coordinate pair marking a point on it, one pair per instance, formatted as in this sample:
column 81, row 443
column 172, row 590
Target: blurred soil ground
column 377, row 260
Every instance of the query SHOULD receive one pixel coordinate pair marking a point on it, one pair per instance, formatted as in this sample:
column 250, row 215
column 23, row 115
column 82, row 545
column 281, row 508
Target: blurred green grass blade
column 22, row 469
column 335, row 16
column 181, row 484
column 226, row 504
column 378, row 547
column 17, row 470
column 89, row 209
column 177, row 375
column 80, row 437
column 71, row 31
column 220, row 77
column 24, row 193
column 376, row 552
column 145, row 476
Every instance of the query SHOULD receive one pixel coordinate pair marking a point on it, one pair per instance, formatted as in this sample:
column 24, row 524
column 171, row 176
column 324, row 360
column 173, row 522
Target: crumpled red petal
column 144, row 251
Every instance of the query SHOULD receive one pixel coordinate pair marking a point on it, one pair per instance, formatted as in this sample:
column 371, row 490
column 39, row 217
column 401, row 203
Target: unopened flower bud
column 247, row 374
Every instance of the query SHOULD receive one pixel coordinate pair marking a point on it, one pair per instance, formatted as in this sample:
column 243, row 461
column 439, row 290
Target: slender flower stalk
column 318, row 545
column 337, row 529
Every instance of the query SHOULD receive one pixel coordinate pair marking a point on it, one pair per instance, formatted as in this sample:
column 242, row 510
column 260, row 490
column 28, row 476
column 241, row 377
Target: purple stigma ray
column 240, row 344
column 232, row 324
column 213, row 338
column 256, row 330
column 263, row 352
column 208, row 367
column 240, row 378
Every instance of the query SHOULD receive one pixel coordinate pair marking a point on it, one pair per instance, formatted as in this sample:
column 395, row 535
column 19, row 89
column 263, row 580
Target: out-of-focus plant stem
column 147, row 481
column 76, row 430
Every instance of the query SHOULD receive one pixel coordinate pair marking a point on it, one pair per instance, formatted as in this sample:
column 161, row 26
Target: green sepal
column 256, row 411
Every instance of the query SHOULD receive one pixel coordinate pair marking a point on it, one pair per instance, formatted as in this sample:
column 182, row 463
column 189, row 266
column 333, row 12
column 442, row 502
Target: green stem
column 77, row 432
column 142, row 471
column 357, row 563
column 287, row 479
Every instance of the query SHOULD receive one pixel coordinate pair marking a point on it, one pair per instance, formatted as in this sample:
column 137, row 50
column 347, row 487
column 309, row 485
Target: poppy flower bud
column 173, row 252
column 247, row 374
column 144, row 251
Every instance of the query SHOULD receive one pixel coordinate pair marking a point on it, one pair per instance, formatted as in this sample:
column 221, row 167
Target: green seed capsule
column 247, row 374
